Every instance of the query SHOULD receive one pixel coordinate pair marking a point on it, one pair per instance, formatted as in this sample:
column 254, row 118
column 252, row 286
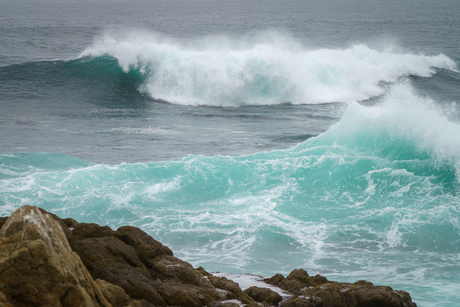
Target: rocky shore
column 49, row 261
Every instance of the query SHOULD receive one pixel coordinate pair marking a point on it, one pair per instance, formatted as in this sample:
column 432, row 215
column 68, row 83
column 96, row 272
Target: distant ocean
column 248, row 136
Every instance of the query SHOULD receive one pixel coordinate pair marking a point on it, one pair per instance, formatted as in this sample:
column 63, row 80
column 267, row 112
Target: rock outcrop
column 48, row 261
column 264, row 295
column 143, row 267
column 37, row 266
column 316, row 291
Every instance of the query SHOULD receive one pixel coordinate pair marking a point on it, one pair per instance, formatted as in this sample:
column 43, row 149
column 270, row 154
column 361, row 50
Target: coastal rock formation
column 264, row 295
column 37, row 266
column 143, row 267
column 48, row 261
column 229, row 289
column 316, row 291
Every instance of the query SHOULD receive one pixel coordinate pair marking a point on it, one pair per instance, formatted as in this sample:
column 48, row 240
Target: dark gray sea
column 248, row 136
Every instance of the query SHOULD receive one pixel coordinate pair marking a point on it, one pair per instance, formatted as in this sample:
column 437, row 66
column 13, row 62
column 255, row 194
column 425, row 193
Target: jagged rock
column 299, row 279
column 264, row 296
column 275, row 280
column 71, row 223
column 359, row 295
column 233, row 290
column 202, row 271
column 83, row 230
column 178, row 294
column 145, row 246
column 300, row 301
column 110, row 259
column 37, row 266
column 142, row 266
column 226, row 284
column 139, row 303
column 317, row 291
column 169, row 267
column 114, row 294
column 296, row 281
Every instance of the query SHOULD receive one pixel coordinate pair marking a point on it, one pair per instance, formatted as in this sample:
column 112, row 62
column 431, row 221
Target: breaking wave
column 268, row 69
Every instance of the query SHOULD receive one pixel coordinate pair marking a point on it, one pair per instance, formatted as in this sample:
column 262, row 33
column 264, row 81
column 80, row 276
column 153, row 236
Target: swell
column 87, row 79
column 116, row 72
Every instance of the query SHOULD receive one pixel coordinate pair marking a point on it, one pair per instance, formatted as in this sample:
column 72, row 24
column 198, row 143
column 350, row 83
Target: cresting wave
column 270, row 69
column 102, row 77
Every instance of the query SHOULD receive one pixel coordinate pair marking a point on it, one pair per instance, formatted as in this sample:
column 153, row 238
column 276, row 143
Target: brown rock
column 114, row 294
column 379, row 296
column 142, row 266
column 202, row 271
column 112, row 260
column 329, row 293
column 233, row 290
column 318, row 291
column 264, row 296
column 84, row 230
column 299, row 301
column 37, row 266
column 146, row 247
column 294, row 282
column 169, row 267
column 226, row 284
column 292, row 286
column 2, row 221
column 299, row 274
column 71, row 223
column 179, row 294
column 58, row 220
column 223, row 304
column 317, row 280
column 140, row 303
column 5, row 301
column 275, row 280
column 360, row 294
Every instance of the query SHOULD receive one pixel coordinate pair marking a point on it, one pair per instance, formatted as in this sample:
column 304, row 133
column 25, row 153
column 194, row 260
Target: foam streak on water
column 268, row 69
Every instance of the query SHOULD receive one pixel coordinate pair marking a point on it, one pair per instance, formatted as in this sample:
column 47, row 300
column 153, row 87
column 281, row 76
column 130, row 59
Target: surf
column 271, row 68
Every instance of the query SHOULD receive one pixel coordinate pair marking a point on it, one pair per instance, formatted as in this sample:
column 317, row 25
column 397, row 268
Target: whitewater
column 248, row 137
column 222, row 71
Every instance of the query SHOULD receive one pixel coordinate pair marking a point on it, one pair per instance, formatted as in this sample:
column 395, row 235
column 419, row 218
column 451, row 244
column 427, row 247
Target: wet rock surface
column 48, row 261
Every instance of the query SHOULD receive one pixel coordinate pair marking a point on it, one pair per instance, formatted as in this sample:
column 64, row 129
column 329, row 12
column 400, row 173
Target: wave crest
column 271, row 69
